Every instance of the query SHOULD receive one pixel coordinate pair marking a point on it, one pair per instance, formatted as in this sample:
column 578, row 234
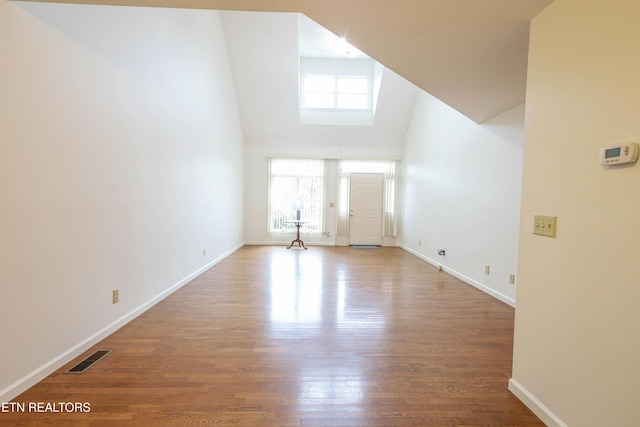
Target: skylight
column 338, row 83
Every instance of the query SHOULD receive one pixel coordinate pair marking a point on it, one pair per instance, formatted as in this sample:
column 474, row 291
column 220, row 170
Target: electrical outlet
column 419, row 242
column 544, row 225
column 487, row 269
column 204, row 252
column 116, row 296
column 512, row 279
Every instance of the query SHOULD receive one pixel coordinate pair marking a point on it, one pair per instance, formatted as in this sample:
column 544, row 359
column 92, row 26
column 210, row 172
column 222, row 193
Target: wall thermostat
column 619, row 154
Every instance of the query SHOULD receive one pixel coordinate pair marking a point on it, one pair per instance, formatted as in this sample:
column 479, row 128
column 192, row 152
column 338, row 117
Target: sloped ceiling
column 263, row 50
column 471, row 54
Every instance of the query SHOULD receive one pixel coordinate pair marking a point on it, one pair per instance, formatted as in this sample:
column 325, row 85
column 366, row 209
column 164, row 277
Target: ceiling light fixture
column 342, row 46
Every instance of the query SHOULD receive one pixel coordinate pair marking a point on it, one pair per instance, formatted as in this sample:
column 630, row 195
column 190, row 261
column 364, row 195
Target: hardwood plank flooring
column 331, row 336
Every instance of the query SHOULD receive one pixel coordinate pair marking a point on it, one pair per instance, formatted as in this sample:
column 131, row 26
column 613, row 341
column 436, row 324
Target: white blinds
column 295, row 182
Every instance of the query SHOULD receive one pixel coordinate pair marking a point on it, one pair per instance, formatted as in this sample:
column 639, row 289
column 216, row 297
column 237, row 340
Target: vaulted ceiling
column 264, row 51
column 471, row 54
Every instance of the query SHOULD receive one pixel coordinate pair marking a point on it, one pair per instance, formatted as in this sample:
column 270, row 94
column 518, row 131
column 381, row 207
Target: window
column 336, row 92
column 293, row 181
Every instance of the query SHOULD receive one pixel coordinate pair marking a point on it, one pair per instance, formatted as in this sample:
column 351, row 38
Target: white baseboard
column 497, row 295
column 37, row 375
column 541, row 411
column 286, row 243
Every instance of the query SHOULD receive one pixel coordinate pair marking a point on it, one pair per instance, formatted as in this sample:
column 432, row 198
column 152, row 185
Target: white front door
column 365, row 209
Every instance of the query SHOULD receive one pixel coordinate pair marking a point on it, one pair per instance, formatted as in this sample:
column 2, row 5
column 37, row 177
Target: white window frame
column 305, row 176
column 337, row 71
column 336, row 91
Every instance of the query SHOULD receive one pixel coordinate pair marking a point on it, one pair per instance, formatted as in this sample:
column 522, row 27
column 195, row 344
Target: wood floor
column 324, row 337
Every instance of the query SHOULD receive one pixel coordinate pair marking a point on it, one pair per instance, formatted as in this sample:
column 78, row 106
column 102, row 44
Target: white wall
column 576, row 347
column 461, row 193
column 121, row 159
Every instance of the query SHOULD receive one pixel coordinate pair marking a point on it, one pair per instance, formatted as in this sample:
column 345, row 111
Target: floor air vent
column 88, row 362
